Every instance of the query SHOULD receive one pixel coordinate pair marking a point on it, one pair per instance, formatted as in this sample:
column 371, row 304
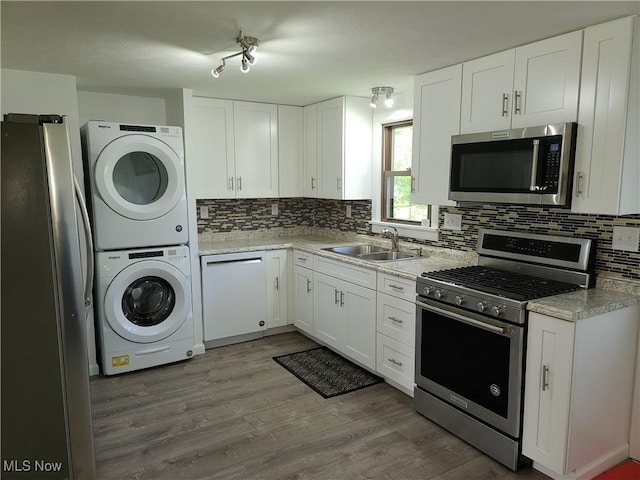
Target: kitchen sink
column 356, row 250
column 386, row 256
column 373, row 253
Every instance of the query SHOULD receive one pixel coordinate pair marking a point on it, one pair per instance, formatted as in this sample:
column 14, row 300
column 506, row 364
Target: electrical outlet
column 204, row 211
column 348, row 211
column 626, row 238
column 274, row 209
column 452, row 221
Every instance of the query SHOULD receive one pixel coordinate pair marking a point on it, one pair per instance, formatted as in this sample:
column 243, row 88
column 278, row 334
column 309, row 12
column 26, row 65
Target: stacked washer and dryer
column 142, row 290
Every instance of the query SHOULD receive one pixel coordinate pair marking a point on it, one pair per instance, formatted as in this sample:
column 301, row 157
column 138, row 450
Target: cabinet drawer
column 396, row 318
column 396, row 286
column 345, row 271
column 395, row 361
column 303, row 259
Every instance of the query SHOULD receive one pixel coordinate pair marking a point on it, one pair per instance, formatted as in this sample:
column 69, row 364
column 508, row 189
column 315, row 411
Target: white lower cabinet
column 345, row 316
column 395, row 331
column 578, row 392
column 277, row 288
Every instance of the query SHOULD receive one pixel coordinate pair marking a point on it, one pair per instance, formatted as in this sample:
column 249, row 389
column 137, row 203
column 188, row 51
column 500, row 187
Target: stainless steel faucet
column 392, row 234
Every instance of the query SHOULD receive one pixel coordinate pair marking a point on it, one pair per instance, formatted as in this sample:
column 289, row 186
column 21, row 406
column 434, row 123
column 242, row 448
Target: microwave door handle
column 533, row 185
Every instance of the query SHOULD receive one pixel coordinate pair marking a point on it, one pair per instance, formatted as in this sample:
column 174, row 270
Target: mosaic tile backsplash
column 255, row 214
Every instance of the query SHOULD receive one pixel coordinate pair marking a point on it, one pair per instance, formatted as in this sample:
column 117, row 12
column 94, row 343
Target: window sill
column 411, row 231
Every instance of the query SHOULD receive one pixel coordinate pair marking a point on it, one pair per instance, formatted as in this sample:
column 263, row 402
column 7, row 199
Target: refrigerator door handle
column 88, row 239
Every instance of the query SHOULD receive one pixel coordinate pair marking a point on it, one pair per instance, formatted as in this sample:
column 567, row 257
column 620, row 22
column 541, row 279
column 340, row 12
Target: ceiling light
column 377, row 91
column 248, row 46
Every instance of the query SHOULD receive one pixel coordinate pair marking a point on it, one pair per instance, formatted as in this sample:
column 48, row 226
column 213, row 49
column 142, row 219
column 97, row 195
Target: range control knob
column 498, row 310
column 427, row 290
column 482, row 306
column 439, row 294
column 459, row 300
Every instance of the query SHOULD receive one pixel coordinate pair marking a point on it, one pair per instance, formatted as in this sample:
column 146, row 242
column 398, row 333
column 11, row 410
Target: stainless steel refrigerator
column 45, row 403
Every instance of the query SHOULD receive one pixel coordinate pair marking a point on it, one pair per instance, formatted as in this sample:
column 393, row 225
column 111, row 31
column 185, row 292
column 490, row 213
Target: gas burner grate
column 504, row 283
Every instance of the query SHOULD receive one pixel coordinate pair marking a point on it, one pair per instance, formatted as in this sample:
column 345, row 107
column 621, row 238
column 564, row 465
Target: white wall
column 45, row 93
column 121, row 108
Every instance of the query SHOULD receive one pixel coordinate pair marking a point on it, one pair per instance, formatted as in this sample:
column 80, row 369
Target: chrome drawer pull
column 396, row 287
column 394, row 319
column 308, row 286
column 394, row 361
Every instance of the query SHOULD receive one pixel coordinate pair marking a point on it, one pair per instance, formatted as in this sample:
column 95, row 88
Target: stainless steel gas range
column 471, row 334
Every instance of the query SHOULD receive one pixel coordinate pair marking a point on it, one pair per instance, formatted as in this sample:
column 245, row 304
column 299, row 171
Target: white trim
column 404, row 230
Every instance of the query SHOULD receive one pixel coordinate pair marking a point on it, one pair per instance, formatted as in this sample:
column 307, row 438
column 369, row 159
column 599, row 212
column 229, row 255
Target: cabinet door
column 358, row 338
column 303, row 299
column 436, row 116
column 330, row 148
column 486, row 93
column 328, row 316
column 290, row 151
column 604, row 183
column 546, row 81
column 310, row 182
column 547, row 395
column 277, row 288
column 210, row 157
column 256, row 148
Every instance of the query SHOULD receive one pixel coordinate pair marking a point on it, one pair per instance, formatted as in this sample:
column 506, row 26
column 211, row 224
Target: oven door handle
column 470, row 321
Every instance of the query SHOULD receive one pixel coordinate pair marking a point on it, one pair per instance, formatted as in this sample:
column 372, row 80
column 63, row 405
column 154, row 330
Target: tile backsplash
column 255, row 214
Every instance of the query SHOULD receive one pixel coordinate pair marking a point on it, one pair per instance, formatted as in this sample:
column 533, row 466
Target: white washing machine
column 143, row 308
column 137, row 183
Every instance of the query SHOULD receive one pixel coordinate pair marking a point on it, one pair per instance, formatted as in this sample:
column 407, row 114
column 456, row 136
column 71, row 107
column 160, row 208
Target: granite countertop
column 431, row 259
column 571, row 306
column 582, row 304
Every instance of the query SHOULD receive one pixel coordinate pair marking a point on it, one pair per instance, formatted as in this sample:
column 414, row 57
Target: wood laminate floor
column 234, row 413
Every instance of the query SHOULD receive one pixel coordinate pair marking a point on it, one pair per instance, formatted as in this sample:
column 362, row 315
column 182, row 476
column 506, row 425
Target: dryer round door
column 139, row 177
column 147, row 301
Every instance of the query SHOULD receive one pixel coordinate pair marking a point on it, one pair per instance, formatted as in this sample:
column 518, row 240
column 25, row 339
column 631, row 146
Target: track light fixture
column 248, row 47
column 386, row 91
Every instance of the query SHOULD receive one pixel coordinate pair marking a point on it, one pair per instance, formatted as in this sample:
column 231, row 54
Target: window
column 396, row 176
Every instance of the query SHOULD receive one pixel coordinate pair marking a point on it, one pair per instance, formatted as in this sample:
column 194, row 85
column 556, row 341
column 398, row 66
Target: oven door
column 472, row 362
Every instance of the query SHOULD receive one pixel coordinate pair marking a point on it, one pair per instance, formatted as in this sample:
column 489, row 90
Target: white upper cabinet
column 535, row 84
column 256, row 148
column 210, row 157
column 343, row 129
column 290, row 151
column 607, row 170
column 232, row 150
column 436, row 116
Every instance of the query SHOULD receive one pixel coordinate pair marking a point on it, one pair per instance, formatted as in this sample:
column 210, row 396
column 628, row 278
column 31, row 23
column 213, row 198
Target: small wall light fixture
column 248, row 47
column 378, row 91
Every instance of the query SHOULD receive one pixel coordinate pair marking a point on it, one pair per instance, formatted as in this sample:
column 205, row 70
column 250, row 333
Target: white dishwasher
column 234, row 297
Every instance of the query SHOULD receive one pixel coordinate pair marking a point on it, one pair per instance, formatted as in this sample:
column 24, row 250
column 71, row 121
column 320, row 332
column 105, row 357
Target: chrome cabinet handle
column 545, row 377
column 277, row 283
column 342, row 299
column 394, row 361
column 516, row 103
column 239, row 183
column 308, row 286
column 313, row 183
column 302, row 259
column 505, row 104
column 396, row 287
column 230, row 184
column 336, row 300
column 579, row 178
column 396, row 320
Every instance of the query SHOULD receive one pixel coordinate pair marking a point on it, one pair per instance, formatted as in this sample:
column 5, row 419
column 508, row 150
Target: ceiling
column 309, row 51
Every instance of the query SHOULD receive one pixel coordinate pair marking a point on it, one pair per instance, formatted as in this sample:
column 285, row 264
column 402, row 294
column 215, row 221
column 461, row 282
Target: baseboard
column 94, row 369
column 595, row 468
column 198, row 349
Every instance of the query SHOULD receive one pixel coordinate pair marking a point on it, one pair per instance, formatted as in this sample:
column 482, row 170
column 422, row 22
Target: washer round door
column 139, row 177
column 147, row 301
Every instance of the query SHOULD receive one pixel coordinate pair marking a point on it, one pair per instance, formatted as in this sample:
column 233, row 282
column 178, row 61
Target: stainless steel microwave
column 527, row 166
